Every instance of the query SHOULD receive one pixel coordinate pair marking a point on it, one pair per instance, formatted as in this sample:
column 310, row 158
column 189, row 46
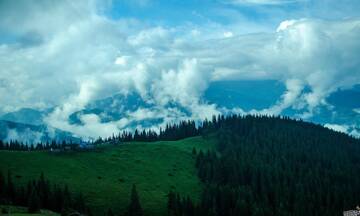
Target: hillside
column 256, row 165
column 105, row 177
column 25, row 116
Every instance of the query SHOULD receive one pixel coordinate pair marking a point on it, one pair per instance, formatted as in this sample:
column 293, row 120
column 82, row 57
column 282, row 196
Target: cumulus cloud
column 322, row 54
column 59, row 117
column 78, row 54
column 315, row 54
column 184, row 85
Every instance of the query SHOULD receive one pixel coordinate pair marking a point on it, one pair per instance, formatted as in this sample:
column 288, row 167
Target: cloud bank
column 65, row 55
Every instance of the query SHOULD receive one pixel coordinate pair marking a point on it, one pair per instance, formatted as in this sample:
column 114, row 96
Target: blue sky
column 174, row 12
column 65, row 54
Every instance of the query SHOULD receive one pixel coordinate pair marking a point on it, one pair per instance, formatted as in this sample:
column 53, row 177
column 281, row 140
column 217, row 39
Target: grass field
column 105, row 177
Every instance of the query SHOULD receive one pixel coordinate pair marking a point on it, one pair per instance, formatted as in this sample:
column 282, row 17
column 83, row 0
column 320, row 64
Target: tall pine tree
column 34, row 203
column 134, row 208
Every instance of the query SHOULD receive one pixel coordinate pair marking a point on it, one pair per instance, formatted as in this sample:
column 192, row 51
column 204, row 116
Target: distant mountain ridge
column 32, row 133
column 25, row 116
column 255, row 94
column 111, row 108
column 247, row 95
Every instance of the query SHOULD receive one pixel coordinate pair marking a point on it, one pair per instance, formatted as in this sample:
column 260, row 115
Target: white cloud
column 122, row 60
column 143, row 114
column 288, row 99
column 27, row 135
column 285, row 24
column 355, row 132
column 336, row 127
column 228, row 34
column 74, row 103
column 183, row 85
column 349, row 129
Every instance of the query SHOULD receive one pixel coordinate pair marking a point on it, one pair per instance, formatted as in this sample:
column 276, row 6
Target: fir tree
column 134, row 208
column 34, row 203
column 10, row 188
column 2, row 185
column 110, row 212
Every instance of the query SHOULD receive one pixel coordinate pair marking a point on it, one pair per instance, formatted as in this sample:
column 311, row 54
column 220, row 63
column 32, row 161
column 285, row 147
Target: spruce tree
column 194, row 151
column 171, row 205
column 134, row 208
column 2, row 184
column 110, row 212
column 79, row 203
column 10, row 188
column 34, row 203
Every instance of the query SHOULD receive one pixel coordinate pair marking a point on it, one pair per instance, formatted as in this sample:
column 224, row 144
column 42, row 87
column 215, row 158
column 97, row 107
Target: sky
column 65, row 54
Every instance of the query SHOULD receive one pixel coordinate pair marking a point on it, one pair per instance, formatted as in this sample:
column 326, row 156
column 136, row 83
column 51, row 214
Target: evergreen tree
column 172, row 204
column 2, row 185
column 34, row 203
column 110, row 213
column 79, row 203
column 10, row 188
column 134, row 208
column 39, row 194
column 193, row 151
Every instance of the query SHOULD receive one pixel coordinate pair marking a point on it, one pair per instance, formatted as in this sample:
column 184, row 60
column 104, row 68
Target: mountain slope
column 25, row 116
column 105, row 177
column 32, row 133
column 111, row 108
column 247, row 94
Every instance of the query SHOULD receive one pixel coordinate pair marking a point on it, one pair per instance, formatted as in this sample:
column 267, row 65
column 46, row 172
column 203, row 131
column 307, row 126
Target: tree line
column 171, row 132
column 17, row 145
column 40, row 194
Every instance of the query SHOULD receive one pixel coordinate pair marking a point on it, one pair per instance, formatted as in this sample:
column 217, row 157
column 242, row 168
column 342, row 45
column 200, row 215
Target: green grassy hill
column 105, row 176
